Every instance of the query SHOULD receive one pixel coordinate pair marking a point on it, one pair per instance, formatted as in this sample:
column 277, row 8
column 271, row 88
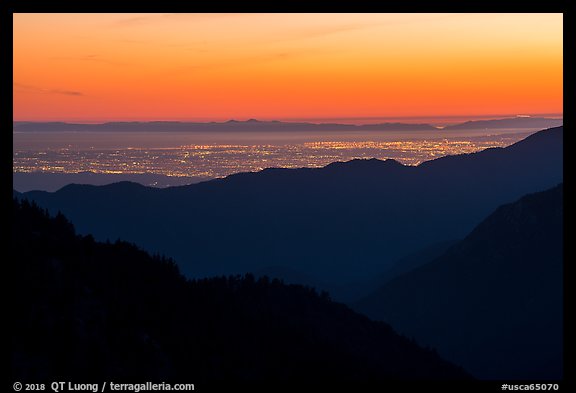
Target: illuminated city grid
column 219, row 160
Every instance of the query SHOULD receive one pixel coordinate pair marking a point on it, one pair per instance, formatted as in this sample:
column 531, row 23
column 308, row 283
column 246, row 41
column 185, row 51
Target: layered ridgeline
column 342, row 223
column 493, row 302
column 28, row 181
column 89, row 311
column 252, row 125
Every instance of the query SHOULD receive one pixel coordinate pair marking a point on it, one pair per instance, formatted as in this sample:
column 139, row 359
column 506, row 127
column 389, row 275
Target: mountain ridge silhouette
column 275, row 125
column 493, row 301
column 341, row 223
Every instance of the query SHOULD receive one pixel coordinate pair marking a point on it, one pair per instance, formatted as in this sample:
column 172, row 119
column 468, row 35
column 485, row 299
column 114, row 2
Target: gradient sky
column 98, row 67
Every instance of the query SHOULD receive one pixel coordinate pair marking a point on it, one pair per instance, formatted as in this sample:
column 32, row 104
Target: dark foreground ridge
column 89, row 311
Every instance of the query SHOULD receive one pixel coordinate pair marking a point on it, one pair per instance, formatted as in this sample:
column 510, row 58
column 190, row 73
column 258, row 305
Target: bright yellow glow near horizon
column 97, row 67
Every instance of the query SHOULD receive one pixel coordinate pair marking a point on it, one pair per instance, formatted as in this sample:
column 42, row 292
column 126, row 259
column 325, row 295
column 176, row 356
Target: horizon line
column 352, row 120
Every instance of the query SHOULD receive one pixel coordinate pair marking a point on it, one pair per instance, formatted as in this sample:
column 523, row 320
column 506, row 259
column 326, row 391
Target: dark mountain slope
column 415, row 260
column 89, row 311
column 342, row 223
column 493, row 302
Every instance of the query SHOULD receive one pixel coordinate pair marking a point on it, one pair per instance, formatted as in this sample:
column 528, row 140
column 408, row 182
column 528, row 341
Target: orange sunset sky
column 99, row 67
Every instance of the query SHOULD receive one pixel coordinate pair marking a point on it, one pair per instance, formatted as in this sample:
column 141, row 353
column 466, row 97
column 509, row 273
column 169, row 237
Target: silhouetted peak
column 364, row 163
column 122, row 186
column 544, row 136
column 523, row 217
column 548, row 141
column 72, row 187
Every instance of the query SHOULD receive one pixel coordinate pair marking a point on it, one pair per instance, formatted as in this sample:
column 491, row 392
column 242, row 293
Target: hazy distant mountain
column 342, row 223
column 28, row 181
column 493, row 302
column 508, row 123
column 231, row 125
column 271, row 126
column 89, row 311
